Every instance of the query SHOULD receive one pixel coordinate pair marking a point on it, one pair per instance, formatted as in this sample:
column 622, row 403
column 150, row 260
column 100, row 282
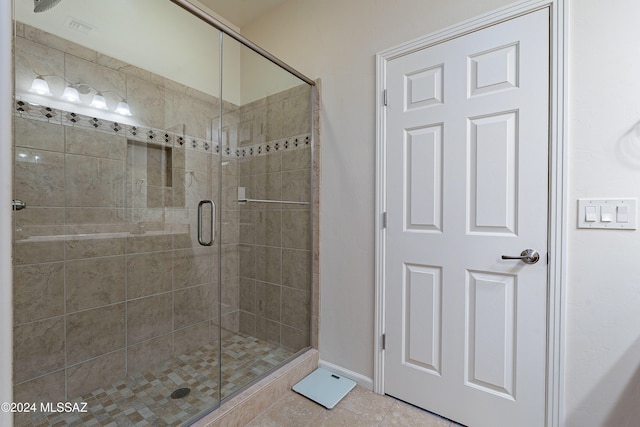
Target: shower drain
column 180, row 393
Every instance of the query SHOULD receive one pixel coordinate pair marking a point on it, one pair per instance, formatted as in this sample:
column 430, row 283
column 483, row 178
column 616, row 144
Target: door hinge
column 384, row 97
column 384, row 220
column 384, row 341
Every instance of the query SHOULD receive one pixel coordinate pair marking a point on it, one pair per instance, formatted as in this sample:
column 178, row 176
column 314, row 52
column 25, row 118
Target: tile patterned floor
column 360, row 408
column 143, row 399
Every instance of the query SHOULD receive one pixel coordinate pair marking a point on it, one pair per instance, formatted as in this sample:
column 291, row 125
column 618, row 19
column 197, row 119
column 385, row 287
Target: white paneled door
column 466, row 147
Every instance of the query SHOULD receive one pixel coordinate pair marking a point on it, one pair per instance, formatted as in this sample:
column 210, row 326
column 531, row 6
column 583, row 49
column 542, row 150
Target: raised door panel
column 493, row 70
column 424, row 87
column 423, row 179
column 491, row 326
column 422, row 326
column 493, row 173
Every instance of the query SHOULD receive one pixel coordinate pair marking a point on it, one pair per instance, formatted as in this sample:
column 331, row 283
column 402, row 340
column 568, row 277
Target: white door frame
column 557, row 185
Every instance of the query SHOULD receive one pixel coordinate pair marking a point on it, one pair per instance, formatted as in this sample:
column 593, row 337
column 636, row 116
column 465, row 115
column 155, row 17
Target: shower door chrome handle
column 213, row 220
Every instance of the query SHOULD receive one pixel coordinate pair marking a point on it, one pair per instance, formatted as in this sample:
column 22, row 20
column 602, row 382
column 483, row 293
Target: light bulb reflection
column 99, row 102
column 71, row 94
column 123, row 109
column 40, row 86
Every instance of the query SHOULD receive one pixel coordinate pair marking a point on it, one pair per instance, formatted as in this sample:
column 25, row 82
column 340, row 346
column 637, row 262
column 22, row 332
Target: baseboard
column 363, row 381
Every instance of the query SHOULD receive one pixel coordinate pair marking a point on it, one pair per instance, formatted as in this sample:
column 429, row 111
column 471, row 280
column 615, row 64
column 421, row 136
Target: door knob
column 528, row 256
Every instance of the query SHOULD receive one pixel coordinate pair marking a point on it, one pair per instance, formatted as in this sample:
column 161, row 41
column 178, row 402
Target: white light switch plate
column 616, row 214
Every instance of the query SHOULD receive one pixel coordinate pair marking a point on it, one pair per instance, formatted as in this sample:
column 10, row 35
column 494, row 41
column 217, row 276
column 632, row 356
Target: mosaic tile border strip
column 156, row 136
column 292, row 143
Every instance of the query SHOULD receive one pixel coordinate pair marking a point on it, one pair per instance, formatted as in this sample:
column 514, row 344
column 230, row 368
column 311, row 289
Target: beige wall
column 336, row 41
column 261, row 77
column 603, row 322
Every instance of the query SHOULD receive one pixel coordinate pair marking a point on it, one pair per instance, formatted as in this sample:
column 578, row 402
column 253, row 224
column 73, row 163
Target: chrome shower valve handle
column 18, row 205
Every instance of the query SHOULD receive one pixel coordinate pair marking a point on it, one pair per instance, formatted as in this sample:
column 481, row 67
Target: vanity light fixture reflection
column 71, row 94
column 123, row 108
column 99, row 102
column 40, row 86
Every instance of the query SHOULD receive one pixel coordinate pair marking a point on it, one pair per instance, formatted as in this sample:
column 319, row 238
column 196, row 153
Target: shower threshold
column 144, row 399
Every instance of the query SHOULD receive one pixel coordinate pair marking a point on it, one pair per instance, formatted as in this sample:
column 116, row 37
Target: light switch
column 606, row 213
column 622, row 214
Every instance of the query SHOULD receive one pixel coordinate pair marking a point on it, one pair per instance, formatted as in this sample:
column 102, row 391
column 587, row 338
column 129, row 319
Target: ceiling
column 241, row 12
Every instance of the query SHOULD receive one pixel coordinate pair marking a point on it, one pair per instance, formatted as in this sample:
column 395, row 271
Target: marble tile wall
column 275, row 239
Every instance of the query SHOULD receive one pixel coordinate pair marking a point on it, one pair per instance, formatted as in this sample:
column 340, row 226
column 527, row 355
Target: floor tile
column 365, row 402
column 144, row 398
column 405, row 415
column 359, row 408
column 292, row 410
column 338, row 417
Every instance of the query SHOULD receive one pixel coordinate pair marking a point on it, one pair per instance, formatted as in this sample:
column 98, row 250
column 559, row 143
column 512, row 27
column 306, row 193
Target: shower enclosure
column 162, row 223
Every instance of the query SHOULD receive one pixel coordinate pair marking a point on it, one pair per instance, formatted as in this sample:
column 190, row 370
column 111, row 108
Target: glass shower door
column 265, row 139
column 116, row 261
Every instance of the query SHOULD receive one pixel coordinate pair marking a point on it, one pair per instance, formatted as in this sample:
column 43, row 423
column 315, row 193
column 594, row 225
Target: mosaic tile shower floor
column 144, row 399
